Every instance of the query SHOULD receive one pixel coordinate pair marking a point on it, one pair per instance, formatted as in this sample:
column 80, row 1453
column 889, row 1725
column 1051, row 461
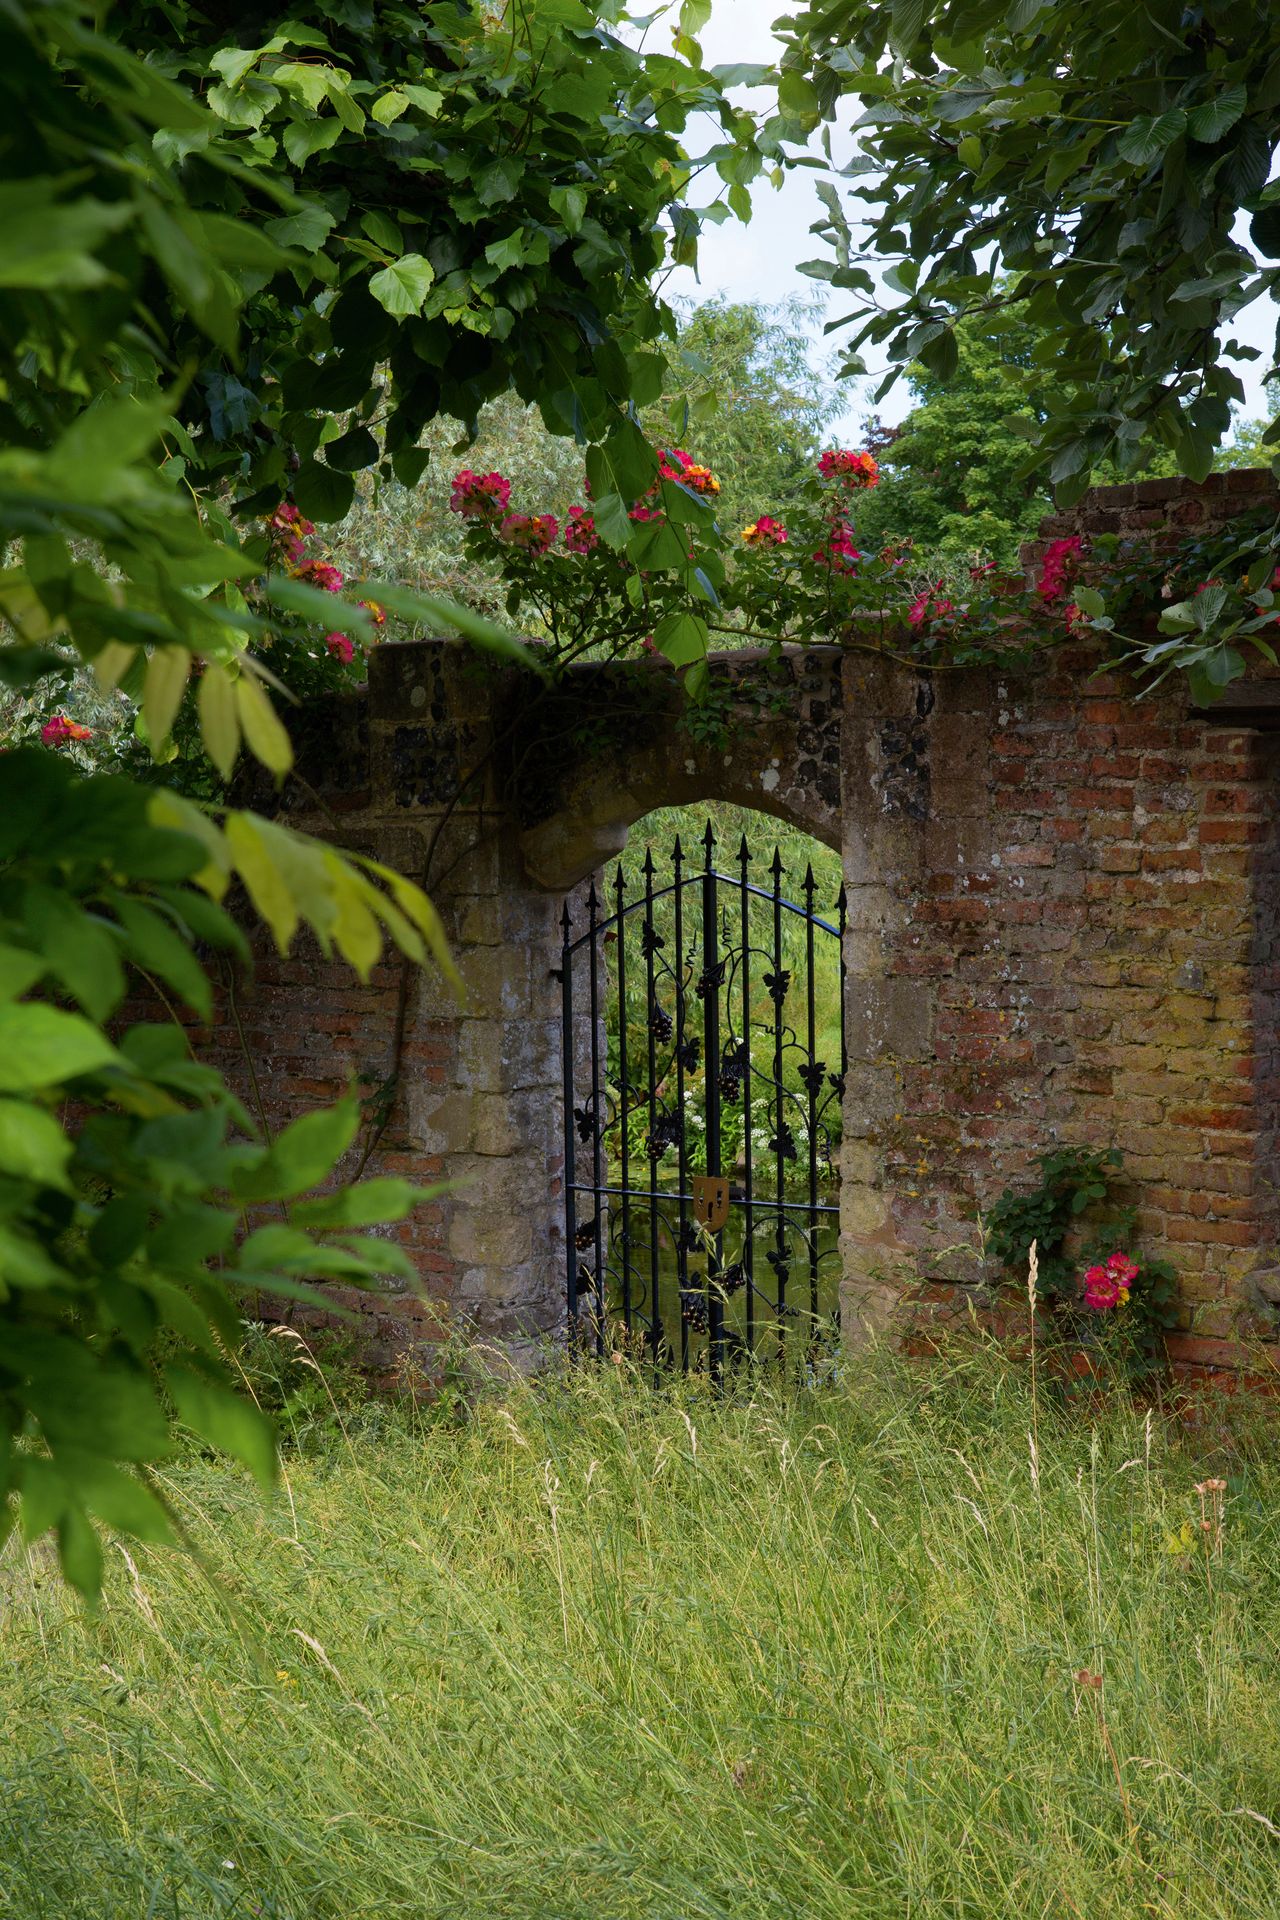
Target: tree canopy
column 229, row 272
column 1102, row 156
column 953, row 479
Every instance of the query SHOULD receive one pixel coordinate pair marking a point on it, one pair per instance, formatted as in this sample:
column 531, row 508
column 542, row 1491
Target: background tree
column 744, row 394
column 951, row 475
column 954, row 474
column 1100, row 156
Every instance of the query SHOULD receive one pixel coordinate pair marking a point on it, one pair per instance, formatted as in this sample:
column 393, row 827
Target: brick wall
column 1072, row 915
column 1062, row 928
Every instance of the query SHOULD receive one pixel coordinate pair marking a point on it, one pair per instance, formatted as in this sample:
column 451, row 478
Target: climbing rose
column 1052, row 583
column 675, row 464
column 925, row 607
column 287, row 519
column 376, row 612
column 839, row 553
column 580, row 534
column 1108, row 1285
column 56, row 732
column 850, row 469
column 479, row 496
column 322, row 574
column 765, row 532
column 535, row 532
column 341, row 648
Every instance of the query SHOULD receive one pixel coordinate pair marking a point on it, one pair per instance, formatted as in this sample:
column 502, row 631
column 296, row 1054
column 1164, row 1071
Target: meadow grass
column 592, row 1650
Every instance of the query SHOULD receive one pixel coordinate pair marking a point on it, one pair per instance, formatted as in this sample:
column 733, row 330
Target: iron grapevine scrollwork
column 694, row 1310
column 667, row 1131
column 660, row 1025
column 689, row 1052
column 776, row 985
column 722, row 952
column 711, row 977
column 733, row 1071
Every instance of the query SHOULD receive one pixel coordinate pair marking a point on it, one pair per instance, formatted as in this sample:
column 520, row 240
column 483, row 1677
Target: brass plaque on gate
column 710, row 1200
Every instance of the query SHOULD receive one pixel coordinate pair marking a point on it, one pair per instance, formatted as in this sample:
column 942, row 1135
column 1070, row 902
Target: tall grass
column 596, row 1651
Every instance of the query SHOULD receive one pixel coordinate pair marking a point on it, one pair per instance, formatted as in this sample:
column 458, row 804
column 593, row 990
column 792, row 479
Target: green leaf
column 500, row 181
column 79, row 1553
column 797, row 95
column 33, row 1145
column 302, row 1156
column 264, row 735
column 154, row 945
column 906, row 23
column 1214, row 117
column 569, row 204
column 654, row 546
column 941, row 355
column 42, row 1047
column 165, row 684
column 403, row 286
column 1089, row 601
column 19, row 971
column 682, row 637
column 311, row 84
column 307, row 230
column 389, row 106
column 382, row 230
column 352, row 451
column 446, row 616
column 302, row 138
column 322, row 493
column 213, row 1411
column 368, row 1203
column 219, row 720
column 266, row 884
column 1146, row 139
column 509, row 251
column 81, row 949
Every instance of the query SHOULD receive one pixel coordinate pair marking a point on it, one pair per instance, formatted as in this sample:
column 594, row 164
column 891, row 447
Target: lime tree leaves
column 126, row 1166
column 1085, row 165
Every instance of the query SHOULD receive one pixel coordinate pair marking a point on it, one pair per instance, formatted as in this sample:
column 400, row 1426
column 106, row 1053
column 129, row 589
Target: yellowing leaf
column 268, row 741
column 174, row 810
column 162, row 691
column 416, row 907
column 355, row 931
column 111, row 663
column 266, row 884
column 389, row 107
column 303, row 865
column 219, row 718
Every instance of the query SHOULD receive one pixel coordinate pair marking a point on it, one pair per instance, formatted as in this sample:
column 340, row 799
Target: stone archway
column 614, row 744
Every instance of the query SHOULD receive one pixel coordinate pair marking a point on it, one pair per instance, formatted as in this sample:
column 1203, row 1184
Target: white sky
column 759, row 261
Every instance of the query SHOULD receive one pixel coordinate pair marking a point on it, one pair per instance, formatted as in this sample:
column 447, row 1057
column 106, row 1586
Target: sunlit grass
column 594, row 1651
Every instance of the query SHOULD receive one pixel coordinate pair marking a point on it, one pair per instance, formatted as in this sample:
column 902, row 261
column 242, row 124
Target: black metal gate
column 704, row 1069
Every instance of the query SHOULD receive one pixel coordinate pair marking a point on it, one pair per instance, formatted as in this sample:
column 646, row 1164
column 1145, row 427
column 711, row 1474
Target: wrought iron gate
column 701, row 1117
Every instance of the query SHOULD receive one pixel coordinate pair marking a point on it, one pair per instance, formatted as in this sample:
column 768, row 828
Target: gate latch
column 710, row 1200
